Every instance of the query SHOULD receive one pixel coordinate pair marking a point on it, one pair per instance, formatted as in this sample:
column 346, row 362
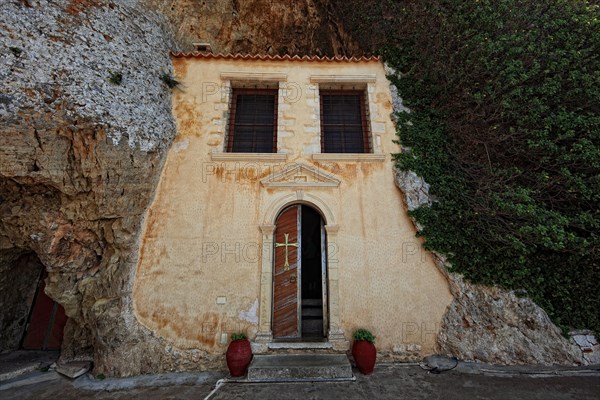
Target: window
column 253, row 121
column 343, row 122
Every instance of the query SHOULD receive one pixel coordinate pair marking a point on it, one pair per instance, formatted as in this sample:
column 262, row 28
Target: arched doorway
column 299, row 275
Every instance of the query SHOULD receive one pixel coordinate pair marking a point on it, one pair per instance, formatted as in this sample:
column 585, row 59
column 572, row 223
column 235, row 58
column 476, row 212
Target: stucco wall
column 201, row 256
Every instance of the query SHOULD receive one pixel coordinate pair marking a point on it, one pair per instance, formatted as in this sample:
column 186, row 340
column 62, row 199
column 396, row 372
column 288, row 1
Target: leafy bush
column 238, row 336
column 363, row 334
column 505, row 126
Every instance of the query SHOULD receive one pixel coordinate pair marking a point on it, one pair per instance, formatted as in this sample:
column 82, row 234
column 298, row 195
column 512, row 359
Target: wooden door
column 46, row 322
column 286, row 274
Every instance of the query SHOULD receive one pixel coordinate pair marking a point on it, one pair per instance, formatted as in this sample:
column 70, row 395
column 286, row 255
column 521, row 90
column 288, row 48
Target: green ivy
column 505, row 126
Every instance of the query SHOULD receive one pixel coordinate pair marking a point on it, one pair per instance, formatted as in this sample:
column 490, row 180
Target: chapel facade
column 277, row 214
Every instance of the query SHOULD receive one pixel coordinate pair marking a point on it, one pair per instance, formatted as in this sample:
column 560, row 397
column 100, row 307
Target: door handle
column 293, row 278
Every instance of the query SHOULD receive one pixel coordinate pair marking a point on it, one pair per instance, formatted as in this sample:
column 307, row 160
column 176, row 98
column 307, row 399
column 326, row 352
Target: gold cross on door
column 286, row 265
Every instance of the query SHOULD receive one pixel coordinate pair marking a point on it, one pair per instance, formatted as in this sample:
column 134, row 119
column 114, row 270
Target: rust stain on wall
column 347, row 172
column 180, row 66
column 367, row 168
column 384, row 100
column 187, row 118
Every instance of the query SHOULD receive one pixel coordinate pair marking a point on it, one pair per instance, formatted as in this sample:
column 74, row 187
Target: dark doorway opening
column 29, row 320
column 312, row 274
column 46, row 323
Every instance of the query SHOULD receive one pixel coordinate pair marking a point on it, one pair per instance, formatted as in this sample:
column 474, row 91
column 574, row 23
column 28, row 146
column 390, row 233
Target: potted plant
column 363, row 351
column 239, row 354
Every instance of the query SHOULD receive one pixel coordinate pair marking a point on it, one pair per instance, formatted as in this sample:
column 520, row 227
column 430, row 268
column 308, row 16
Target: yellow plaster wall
column 201, row 240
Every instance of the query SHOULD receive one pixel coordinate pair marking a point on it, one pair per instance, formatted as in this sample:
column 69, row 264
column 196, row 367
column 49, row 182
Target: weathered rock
column 259, row 26
column 588, row 345
column 415, row 189
column 79, row 161
column 496, row 326
column 397, row 103
column 73, row 369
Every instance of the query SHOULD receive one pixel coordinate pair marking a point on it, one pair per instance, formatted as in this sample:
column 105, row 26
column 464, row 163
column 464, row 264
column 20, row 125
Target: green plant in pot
column 239, row 354
column 364, row 351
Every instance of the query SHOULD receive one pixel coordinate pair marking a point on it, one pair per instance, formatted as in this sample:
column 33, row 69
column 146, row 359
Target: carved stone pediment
column 300, row 176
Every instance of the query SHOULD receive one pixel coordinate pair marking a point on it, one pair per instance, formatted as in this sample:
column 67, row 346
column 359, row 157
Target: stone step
column 304, row 347
column 300, row 367
column 307, row 345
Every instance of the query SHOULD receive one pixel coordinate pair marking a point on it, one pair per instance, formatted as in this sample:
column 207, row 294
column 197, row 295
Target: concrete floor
column 388, row 382
column 15, row 363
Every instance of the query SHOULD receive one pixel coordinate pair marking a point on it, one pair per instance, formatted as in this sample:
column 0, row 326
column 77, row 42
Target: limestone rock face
column 588, row 344
column 496, row 326
column 414, row 187
column 490, row 324
column 79, row 161
column 259, row 26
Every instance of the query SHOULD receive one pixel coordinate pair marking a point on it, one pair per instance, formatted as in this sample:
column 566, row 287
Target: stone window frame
column 357, row 94
column 364, row 82
column 255, row 80
column 250, row 95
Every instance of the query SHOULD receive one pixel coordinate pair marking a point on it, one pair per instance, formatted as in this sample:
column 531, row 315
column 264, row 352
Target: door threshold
column 300, row 345
column 315, row 339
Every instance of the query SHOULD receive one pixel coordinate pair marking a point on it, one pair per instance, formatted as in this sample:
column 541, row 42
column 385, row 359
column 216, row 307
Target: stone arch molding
column 335, row 334
column 278, row 204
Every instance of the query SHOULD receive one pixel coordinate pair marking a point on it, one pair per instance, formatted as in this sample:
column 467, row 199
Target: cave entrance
column 30, row 320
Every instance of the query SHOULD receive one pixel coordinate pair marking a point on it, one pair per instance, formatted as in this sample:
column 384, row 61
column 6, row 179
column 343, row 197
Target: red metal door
column 46, row 323
column 286, row 274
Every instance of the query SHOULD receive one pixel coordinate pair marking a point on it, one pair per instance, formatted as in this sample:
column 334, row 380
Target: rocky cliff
column 86, row 121
column 80, row 155
column 85, row 124
column 258, row 26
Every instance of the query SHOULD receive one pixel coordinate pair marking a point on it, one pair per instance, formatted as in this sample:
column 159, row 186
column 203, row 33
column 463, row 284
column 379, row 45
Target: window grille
column 253, row 121
column 343, row 122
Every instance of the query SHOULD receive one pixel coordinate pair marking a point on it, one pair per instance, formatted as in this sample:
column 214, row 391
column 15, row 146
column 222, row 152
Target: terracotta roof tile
column 286, row 57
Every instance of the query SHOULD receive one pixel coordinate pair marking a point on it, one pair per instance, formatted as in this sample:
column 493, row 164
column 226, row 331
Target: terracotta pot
column 238, row 356
column 364, row 354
